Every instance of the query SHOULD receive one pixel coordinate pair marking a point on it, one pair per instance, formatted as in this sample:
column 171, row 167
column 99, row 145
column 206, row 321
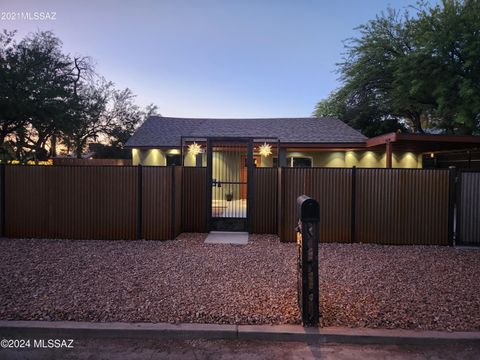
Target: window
column 174, row 160
column 300, row 161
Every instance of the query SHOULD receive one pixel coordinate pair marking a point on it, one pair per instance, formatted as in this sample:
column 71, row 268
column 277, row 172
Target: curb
column 63, row 329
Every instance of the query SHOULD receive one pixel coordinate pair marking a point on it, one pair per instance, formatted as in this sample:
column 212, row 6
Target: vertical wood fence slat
column 26, row 202
column 177, row 201
column 139, row 203
column 292, row 187
column 70, row 202
column 402, row 206
column 332, row 189
column 157, row 203
column 468, row 224
column 194, row 199
column 392, row 206
column 264, row 212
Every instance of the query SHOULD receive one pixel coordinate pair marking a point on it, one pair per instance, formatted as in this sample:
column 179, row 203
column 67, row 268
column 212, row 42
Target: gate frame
column 249, row 142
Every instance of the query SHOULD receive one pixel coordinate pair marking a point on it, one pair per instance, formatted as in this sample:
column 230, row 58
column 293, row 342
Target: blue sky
column 242, row 58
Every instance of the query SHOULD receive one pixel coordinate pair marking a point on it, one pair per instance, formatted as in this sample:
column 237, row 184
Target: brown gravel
column 185, row 280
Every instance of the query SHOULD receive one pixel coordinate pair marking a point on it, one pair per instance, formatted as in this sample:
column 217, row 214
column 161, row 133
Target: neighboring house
column 302, row 142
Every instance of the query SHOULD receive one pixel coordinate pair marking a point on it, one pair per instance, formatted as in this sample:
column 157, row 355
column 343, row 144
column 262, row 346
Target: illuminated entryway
column 229, row 171
column 230, row 167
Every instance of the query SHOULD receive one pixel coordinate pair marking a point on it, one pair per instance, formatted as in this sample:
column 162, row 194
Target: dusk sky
column 210, row 58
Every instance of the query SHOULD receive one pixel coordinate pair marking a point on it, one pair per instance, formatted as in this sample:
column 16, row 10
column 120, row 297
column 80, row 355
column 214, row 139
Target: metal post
column 174, row 191
column 388, row 154
column 282, row 157
column 2, row 199
column 209, row 183
column 452, row 176
column 354, row 205
column 249, row 184
column 280, row 202
column 139, row 202
column 307, row 240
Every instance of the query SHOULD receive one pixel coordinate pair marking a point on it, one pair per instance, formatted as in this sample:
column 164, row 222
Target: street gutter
column 79, row 330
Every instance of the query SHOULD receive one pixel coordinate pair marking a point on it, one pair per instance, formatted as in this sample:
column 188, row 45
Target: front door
column 228, row 175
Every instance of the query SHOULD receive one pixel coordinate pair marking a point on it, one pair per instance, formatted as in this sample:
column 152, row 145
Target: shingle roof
column 159, row 131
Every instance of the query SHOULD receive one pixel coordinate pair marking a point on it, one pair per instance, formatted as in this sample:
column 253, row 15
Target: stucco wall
column 365, row 159
column 191, row 160
column 152, row 157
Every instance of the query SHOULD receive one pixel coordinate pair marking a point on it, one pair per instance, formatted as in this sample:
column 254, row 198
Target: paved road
column 223, row 349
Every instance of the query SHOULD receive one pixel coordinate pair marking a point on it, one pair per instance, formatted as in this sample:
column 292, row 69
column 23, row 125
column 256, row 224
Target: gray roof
column 159, row 131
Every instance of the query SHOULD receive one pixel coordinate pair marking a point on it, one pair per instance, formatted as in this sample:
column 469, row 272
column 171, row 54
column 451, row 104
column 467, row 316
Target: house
column 293, row 142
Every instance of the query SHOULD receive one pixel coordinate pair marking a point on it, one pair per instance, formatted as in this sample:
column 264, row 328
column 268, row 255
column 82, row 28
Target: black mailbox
column 308, row 209
column 307, row 240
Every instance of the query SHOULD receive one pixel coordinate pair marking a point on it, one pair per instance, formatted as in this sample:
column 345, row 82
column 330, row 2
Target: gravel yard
column 185, row 280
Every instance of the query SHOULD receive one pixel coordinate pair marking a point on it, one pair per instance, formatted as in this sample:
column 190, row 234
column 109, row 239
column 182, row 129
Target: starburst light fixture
column 194, row 149
column 265, row 150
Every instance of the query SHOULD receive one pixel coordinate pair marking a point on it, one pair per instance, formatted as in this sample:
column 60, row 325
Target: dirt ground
column 185, row 280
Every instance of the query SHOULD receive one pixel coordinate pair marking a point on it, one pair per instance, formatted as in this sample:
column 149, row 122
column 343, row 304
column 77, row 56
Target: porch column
column 198, row 160
column 388, row 154
column 282, row 157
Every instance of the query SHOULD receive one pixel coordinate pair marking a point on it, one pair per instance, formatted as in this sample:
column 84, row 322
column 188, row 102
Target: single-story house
column 229, row 152
column 294, row 142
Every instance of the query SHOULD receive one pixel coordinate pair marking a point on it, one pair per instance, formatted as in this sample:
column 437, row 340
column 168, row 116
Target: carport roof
column 159, row 131
column 423, row 143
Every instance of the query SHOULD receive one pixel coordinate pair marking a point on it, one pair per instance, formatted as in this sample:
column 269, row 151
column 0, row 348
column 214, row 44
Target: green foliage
column 416, row 72
column 49, row 98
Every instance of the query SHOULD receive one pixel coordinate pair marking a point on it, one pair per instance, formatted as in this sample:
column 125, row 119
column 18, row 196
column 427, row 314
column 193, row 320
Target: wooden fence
column 402, row 206
column 70, row 202
column 331, row 187
column 91, row 162
column 382, row 206
column 265, row 201
column 194, row 199
column 468, row 208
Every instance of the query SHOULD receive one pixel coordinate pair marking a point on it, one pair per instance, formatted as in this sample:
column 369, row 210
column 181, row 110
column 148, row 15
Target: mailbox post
column 307, row 241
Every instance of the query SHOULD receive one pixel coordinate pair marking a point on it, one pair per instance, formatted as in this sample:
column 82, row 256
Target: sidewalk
column 63, row 329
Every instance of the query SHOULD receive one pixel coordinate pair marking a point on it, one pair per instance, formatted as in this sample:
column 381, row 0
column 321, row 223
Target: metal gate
column 468, row 208
column 229, row 171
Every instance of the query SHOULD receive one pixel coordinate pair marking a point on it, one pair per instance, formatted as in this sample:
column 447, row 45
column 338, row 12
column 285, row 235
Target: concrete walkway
column 63, row 329
column 227, row 237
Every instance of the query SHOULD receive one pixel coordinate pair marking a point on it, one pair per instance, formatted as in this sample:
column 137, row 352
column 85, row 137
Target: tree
column 34, row 89
column 13, row 107
column 126, row 116
column 360, row 112
column 449, row 43
column 49, row 98
column 48, row 81
column 416, row 72
column 88, row 114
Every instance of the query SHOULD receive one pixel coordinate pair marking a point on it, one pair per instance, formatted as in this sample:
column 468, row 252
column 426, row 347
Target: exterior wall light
column 194, row 149
column 265, row 150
